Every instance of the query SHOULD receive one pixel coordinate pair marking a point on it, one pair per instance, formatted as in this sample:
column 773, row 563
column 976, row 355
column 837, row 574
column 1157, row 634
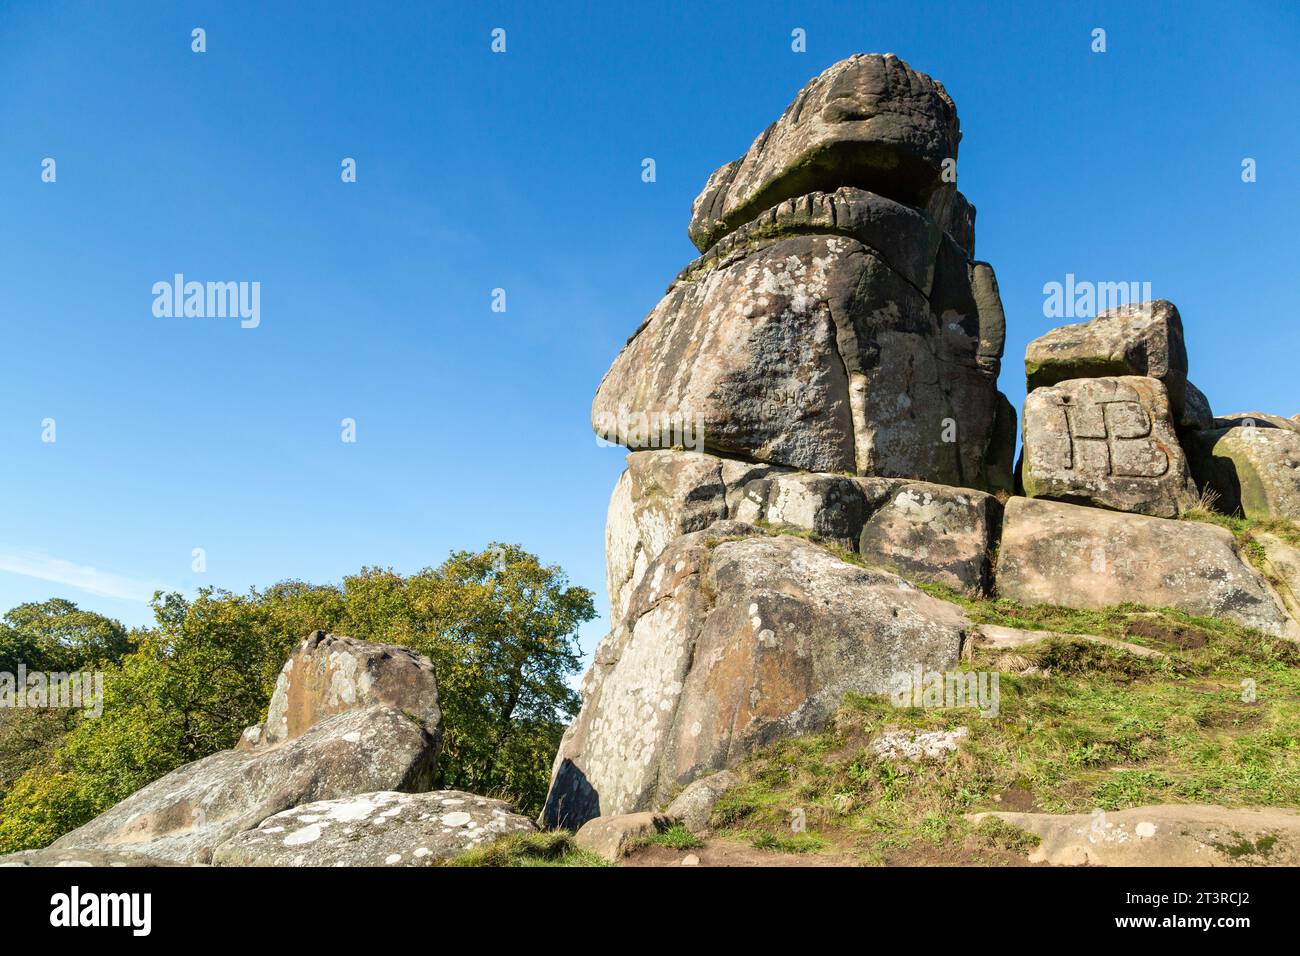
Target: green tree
column 501, row 631
column 56, row 635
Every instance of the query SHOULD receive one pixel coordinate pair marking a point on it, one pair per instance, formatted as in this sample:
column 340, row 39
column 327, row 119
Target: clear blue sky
column 522, row 171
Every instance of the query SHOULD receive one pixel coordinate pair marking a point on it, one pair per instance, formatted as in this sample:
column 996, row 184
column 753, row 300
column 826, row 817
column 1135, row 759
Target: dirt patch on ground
column 723, row 852
column 1019, row 799
column 1171, row 633
column 718, row 852
column 968, row 855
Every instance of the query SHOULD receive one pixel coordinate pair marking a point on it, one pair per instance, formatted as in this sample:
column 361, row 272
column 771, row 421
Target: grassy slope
column 1080, row 727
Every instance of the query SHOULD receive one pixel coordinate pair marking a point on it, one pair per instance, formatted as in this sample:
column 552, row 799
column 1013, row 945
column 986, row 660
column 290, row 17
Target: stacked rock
column 839, row 347
column 1112, row 422
column 1105, row 399
column 830, row 361
column 836, row 274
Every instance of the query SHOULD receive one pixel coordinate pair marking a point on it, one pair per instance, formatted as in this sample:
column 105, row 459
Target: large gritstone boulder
column 731, row 641
column 1141, row 339
column 347, row 717
column 1108, row 442
column 835, row 322
column 375, row 829
column 1252, row 462
column 868, row 121
column 1080, row 557
column 329, row 674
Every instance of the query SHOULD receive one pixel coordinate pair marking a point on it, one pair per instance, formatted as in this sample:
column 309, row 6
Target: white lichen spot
column 306, row 835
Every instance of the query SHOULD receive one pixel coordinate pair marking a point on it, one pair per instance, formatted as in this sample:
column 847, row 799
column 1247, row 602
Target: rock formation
column 347, row 717
column 732, row 640
column 840, row 347
column 835, row 320
column 1163, row 835
column 337, row 774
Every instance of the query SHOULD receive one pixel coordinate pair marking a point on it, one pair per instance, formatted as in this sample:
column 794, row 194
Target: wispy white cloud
column 33, row 564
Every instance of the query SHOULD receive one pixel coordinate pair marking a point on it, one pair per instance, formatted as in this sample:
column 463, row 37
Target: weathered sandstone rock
column 934, row 533
column 1196, row 410
column 661, row 496
column 719, row 349
column 694, row 805
column 185, row 815
column 896, row 743
column 328, row 674
column 1163, row 835
column 613, row 838
column 905, row 238
column 111, row 859
column 346, row 717
column 1282, row 561
column 837, row 327
column 1143, row 339
column 1255, row 419
column 374, row 829
column 1108, row 442
column 731, row 641
column 1252, row 463
column 1080, row 557
column 923, row 530
column 1000, row 460
column 868, row 121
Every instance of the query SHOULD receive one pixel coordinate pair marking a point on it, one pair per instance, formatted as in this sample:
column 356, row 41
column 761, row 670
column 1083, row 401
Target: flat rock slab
column 1087, row 558
column 375, row 829
column 999, row 638
column 1163, row 835
column 1108, row 442
column 1140, row 339
column 112, row 859
column 916, row 745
